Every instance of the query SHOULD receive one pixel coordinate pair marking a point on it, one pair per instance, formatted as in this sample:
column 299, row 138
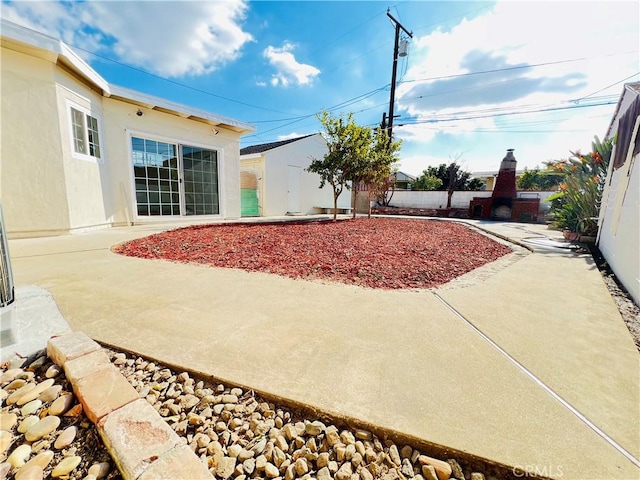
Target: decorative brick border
column 140, row 442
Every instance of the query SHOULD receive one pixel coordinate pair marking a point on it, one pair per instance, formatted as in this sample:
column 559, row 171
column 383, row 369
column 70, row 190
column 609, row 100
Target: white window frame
column 86, row 113
column 179, row 141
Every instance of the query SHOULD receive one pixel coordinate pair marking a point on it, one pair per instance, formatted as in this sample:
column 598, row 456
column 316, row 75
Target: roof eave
column 166, row 106
column 43, row 46
column 628, row 87
column 251, row 156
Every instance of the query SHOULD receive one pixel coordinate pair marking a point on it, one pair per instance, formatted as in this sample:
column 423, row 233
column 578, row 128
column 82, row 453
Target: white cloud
column 168, row 38
column 288, row 70
column 291, row 135
column 517, row 34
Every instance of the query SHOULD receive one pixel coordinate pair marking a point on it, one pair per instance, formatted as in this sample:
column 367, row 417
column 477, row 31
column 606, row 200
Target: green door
column 249, row 202
column 249, row 206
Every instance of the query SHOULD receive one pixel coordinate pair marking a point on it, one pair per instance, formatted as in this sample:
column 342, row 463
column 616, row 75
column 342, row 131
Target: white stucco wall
column 460, row 199
column 48, row 189
column 122, row 123
column 297, row 154
column 86, row 178
column 434, row 198
column 620, row 230
column 32, row 174
column 619, row 233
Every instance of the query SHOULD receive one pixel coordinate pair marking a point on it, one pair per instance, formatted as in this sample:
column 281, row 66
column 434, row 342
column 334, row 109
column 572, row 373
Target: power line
column 609, row 86
column 330, row 109
column 423, row 123
column 501, row 114
column 355, row 99
column 516, row 67
column 184, row 85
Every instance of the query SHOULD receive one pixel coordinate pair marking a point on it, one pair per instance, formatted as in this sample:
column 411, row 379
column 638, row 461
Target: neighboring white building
column 619, row 222
column 489, row 177
column 274, row 179
column 78, row 153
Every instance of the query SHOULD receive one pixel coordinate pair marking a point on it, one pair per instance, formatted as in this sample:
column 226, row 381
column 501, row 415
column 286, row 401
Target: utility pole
column 392, row 100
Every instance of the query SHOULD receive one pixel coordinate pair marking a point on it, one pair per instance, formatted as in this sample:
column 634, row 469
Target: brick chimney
column 504, row 203
column 506, row 181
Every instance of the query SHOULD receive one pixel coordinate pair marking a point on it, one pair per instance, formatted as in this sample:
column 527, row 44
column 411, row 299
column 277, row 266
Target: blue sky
column 540, row 77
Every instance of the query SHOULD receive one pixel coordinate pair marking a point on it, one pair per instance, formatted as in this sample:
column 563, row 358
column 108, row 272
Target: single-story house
column 274, row 180
column 619, row 219
column 403, row 180
column 489, row 177
column 79, row 153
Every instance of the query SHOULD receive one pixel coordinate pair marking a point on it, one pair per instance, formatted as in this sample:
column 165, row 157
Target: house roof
column 263, row 147
column 629, row 88
column 159, row 104
column 31, row 42
column 22, row 39
column 404, row 177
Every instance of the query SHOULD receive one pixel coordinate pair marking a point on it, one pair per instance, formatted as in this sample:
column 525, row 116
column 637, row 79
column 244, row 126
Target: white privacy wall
column 460, row 199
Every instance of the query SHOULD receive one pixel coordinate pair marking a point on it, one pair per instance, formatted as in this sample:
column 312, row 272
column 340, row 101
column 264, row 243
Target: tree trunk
column 449, row 195
column 354, row 200
column 369, row 204
column 388, row 199
column 335, row 206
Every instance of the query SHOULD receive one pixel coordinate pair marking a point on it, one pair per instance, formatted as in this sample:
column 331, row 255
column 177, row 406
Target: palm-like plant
column 576, row 205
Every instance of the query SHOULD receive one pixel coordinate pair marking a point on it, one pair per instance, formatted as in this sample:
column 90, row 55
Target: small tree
column 456, row 180
column 378, row 174
column 348, row 144
column 426, row 181
column 536, row 180
column 451, row 176
column 385, row 190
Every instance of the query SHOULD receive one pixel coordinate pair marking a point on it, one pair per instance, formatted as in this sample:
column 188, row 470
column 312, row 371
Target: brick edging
column 138, row 439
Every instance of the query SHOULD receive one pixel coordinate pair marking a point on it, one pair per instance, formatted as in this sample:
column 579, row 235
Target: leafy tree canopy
column 355, row 154
column 426, row 182
column 537, row 180
column 451, row 176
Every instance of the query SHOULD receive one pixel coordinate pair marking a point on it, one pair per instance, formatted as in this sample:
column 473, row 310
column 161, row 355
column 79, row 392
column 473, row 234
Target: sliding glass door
column 172, row 179
column 200, row 173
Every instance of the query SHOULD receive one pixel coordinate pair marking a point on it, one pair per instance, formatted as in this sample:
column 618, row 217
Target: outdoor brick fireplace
column 504, row 203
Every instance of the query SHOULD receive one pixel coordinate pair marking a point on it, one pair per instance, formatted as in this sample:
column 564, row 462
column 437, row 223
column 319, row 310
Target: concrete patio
column 528, row 365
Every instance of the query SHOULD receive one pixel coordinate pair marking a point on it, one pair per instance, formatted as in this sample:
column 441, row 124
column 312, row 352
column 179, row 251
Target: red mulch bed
column 376, row 252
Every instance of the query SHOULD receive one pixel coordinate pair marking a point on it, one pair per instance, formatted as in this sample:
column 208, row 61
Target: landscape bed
column 235, row 432
column 375, row 253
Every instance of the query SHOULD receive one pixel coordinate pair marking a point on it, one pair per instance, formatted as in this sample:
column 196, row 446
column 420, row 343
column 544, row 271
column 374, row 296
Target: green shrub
column 576, row 205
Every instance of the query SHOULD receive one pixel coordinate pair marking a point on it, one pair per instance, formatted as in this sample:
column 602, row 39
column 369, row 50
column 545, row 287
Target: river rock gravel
column 237, row 434
column 240, row 435
column 43, row 431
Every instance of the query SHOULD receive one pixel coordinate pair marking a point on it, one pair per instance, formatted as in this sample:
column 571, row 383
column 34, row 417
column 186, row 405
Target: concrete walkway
column 529, row 364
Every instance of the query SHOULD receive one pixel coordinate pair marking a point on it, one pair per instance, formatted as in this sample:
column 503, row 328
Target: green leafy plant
column 356, row 154
column 576, row 205
column 348, row 145
column 537, row 180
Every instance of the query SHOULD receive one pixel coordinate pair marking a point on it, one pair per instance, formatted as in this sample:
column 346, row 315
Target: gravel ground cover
column 240, row 435
column 235, row 432
column 376, row 253
column 629, row 311
column 43, row 431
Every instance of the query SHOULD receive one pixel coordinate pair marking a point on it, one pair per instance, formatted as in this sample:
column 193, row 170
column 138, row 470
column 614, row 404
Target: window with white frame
column 85, row 133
